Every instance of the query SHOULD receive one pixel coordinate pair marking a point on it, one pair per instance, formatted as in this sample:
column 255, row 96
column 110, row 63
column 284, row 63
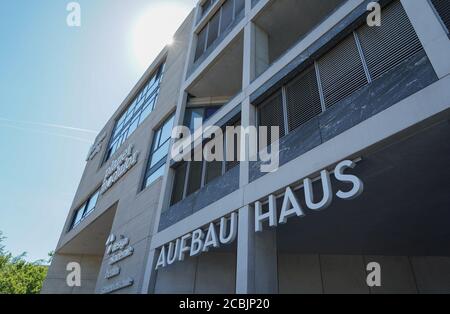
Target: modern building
column 364, row 117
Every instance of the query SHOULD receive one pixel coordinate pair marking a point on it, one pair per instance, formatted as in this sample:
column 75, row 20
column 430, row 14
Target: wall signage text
column 96, row 147
column 200, row 241
column 117, row 286
column 119, row 168
column 121, row 251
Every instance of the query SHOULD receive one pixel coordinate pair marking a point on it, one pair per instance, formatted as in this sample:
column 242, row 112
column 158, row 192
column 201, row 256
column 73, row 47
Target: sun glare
column 155, row 28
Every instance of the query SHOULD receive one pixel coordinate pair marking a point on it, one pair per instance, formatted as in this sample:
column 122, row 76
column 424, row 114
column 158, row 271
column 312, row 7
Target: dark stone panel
column 177, row 212
column 406, row 79
column 217, row 189
column 296, row 143
column 209, row 194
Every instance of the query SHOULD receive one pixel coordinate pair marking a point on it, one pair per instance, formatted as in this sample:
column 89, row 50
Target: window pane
column 136, row 113
column 213, row 30
column 160, row 149
column 79, row 215
column 155, row 175
column 166, row 132
column 191, row 115
column 133, row 126
column 145, row 112
column 201, row 41
column 210, row 112
column 195, row 176
column 239, row 8
column 227, row 15
column 178, row 185
column 160, row 153
column 92, row 203
column 206, row 6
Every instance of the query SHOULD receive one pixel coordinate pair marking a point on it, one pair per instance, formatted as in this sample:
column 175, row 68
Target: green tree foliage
column 17, row 276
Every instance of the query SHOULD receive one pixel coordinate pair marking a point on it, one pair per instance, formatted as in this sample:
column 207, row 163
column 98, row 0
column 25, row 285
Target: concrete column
column 257, row 265
column 248, row 113
column 431, row 33
column 148, row 284
column 266, row 262
column 260, row 51
column 245, row 269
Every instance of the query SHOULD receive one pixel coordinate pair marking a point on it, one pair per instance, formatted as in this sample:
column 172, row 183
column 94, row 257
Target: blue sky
column 53, row 77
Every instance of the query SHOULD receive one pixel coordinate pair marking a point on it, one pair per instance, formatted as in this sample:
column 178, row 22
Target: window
column 396, row 38
column 159, row 151
column 303, row 99
column 230, row 11
column 213, row 30
column 341, row 71
column 227, row 15
column 85, row 209
column 206, row 6
column 360, row 58
column 140, row 108
column 271, row 113
column 193, row 175
column 198, row 113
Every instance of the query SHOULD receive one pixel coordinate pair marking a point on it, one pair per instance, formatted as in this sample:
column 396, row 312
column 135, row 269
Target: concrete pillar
column 431, row 33
column 266, row 262
column 248, row 113
column 148, row 283
column 257, row 265
column 260, row 51
column 245, row 268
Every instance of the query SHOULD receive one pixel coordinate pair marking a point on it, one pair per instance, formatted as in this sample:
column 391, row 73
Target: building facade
column 364, row 158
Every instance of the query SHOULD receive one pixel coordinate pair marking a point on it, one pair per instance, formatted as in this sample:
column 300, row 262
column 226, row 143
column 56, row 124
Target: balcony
column 283, row 23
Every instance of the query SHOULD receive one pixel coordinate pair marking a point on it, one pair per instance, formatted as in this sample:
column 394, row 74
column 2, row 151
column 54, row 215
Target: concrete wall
column 135, row 208
column 215, row 272
column 57, row 274
column 347, row 274
column 210, row 273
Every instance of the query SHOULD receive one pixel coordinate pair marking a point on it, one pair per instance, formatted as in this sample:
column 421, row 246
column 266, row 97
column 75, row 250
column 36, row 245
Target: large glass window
column 85, row 209
column 140, row 108
column 158, row 155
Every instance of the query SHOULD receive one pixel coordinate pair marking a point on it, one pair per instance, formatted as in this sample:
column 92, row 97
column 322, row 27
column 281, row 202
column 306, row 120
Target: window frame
column 135, row 111
column 204, row 182
column 156, row 140
column 84, row 209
